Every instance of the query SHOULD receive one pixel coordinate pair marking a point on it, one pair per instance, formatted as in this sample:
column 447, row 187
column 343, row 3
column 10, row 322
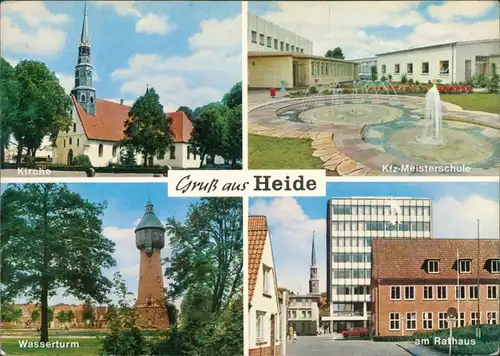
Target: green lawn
column 281, row 153
column 475, row 101
column 86, row 347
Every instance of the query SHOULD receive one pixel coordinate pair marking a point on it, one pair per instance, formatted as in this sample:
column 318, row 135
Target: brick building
column 264, row 309
column 414, row 282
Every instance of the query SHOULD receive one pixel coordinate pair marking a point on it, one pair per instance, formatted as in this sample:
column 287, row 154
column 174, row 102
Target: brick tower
column 150, row 303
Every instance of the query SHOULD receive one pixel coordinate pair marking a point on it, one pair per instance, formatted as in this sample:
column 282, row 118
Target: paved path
column 339, row 143
column 323, row 346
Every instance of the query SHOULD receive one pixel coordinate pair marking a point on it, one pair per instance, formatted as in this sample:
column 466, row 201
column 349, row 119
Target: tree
column 70, row 316
column 207, row 138
column 34, row 105
column 233, row 135
column 148, row 129
column 52, row 238
column 494, row 80
column 62, row 316
column 335, row 53
column 127, row 155
column 374, row 73
column 35, row 315
column 187, row 110
column 9, row 312
column 8, row 87
column 234, row 97
column 88, row 312
column 207, row 252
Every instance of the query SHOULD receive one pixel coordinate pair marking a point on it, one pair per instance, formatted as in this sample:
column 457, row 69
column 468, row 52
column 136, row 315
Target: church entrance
column 70, row 158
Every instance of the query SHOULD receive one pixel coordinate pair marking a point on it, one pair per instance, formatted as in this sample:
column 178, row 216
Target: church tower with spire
column 313, row 272
column 83, row 91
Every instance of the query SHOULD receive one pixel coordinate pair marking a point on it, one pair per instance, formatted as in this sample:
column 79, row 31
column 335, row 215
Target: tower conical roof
column 150, row 220
column 84, row 38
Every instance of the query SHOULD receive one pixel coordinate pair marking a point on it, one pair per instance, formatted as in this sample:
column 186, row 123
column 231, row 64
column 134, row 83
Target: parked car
column 355, row 331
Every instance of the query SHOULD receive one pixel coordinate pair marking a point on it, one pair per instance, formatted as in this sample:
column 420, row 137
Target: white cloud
column 291, row 234
column 154, row 24
column 458, row 218
column 122, row 8
column 66, row 81
column 459, row 9
column 223, row 35
column 33, row 13
column 330, row 24
column 44, row 40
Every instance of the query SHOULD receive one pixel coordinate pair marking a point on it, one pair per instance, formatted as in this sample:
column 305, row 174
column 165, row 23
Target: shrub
column 389, row 76
column 313, row 90
column 410, row 80
column 403, row 78
column 493, row 84
column 82, row 160
column 383, row 78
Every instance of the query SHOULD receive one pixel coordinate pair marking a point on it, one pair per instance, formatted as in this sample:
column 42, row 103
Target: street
column 322, row 346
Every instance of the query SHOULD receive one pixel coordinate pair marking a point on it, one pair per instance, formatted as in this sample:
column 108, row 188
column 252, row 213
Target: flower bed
column 401, row 89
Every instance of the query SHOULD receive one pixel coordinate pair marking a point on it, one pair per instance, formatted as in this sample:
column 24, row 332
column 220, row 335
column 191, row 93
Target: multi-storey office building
column 264, row 36
column 352, row 223
column 414, row 282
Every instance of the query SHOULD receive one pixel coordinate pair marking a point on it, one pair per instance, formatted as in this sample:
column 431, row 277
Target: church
column 98, row 125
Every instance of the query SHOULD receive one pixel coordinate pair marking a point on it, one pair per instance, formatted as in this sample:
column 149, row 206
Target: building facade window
column 287, row 47
column 425, row 67
column 70, row 141
column 114, row 151
column 409, row 292
column 172, row 153
column 428, row 292
column 444, row 67
column 261, row 39
column 495, row 266
column 276, row 44
column 74, row 127
column 266, row 280
column 396, row 69
column 269, row 41
column 475, row 318
column 492, row 292
column 461, row 319
column 254, row 36
column 259, row 325
column 282, row 46
column 473, row 292
column 464, row 266
column 77, row 142
column 442, row 292
column 411, row 321
column 100, row 150
column 383, row 68
column 443, row 320
column 409, row 68
column 460, row 292
column 433, row 266
column 492, row 318
column 427, row 321
column 394, row 321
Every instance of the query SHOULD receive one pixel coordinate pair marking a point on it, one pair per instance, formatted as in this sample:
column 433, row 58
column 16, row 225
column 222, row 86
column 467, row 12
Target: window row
column 406, row 210
column 352, row 273
column 352, row 241
column 409, row 320
column 444, row 68
column 351, row 290
column 441, row 292
column 463, row 266
column 273, row 43
column 302, row 314
column 327, row 68
column 351, row 257
column 380, row 226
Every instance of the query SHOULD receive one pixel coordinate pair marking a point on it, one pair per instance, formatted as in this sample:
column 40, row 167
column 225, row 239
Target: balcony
column 347, row 313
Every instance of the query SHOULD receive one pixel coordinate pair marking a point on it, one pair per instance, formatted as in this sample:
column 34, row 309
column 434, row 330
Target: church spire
column 84, row 38
column 83, row 91
column 313, row 253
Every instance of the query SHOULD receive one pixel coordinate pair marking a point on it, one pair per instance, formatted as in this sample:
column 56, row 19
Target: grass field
column 296, row 153
column 85, row 347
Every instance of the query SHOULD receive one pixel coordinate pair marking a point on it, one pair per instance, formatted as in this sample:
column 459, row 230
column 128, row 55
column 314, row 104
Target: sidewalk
column 416, row 350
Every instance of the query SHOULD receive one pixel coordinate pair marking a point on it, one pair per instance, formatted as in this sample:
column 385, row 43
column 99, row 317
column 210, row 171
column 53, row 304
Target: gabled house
column 264, row 317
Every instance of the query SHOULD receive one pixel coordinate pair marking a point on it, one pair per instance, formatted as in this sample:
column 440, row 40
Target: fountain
column 433, row 121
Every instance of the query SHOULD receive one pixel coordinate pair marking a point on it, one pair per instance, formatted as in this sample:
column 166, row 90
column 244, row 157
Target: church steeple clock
column 83, row 91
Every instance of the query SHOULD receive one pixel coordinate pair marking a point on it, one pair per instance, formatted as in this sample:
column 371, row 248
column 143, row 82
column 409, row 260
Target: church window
column 70, row 141
column 91, row 99
column 83, row 98
column 64, row 143
column 74, row 127
column 77, row 142
column 100, row 149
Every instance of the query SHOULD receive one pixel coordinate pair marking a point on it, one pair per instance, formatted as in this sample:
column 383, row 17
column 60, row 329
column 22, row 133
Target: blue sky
column 125, row 207
column 382, row 26
column 456, row 206
column 189, row 51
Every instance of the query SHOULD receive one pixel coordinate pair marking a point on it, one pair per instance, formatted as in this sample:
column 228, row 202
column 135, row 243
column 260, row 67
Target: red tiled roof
column 257, row 236
column 405, row 258
column 109, row 122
